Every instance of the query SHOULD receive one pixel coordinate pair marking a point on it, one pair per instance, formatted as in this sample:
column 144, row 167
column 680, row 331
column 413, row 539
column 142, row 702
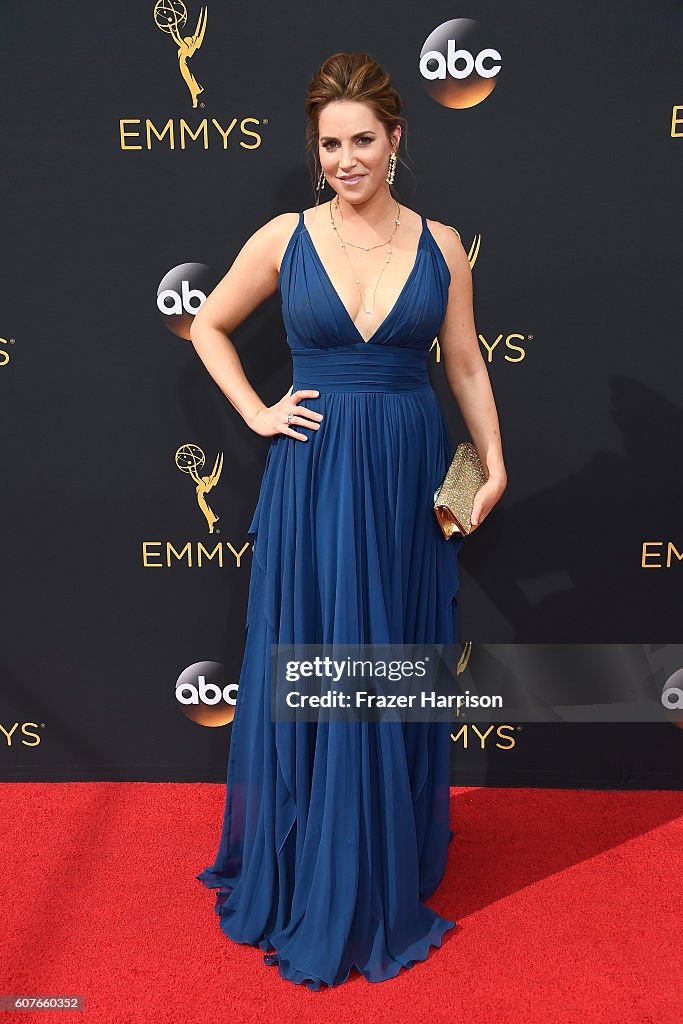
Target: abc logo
column 180, row 295
column 456, row 68
column 672, row 697
column 204, row 696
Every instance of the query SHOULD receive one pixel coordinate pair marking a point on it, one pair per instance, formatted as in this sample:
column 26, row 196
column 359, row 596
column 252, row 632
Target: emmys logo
column 652, row 557
column 510, row 347
column 502, row 732
column 672, row 698
column 4, row 354
column 171, row 16
column 189, row 459
column 181, row 293
column 203, row 697
column 159, row 554
column 146, row 133
column 456, row 69
column 21, row 733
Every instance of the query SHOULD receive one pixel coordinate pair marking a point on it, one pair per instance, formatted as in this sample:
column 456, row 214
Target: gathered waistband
column 355, row 368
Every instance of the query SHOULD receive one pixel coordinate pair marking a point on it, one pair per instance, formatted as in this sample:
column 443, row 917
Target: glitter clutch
column 454, row 500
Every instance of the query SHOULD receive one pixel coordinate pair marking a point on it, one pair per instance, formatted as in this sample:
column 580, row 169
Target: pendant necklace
column 367, row 248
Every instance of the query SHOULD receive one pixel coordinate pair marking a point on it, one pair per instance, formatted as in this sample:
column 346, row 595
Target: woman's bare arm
column 466, row 371
column 252, row 278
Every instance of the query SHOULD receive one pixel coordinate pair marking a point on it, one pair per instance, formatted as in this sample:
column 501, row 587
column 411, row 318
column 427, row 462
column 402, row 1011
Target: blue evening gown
column 335, row 833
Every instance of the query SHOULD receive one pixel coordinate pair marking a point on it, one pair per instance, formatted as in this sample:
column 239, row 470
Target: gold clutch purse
column 454, row 500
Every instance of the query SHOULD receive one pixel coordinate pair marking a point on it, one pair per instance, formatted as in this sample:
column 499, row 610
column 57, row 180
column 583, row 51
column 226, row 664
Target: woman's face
column 353, row 145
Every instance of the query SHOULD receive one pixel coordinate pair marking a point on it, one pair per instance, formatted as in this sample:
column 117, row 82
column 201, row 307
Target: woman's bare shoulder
column 277, row 227
column 284, row 223
column 272, row 237
column 449, row 241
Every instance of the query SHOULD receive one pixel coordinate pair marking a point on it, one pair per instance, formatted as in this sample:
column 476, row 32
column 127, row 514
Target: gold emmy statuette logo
column 464, row 658
column 170, row 16
column 463, row 662
column 189, row 459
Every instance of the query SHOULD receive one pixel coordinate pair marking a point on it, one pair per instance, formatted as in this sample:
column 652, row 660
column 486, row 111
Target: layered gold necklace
column 366, row 248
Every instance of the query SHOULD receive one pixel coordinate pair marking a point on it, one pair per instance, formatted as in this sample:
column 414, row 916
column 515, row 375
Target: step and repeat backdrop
column 143, row 143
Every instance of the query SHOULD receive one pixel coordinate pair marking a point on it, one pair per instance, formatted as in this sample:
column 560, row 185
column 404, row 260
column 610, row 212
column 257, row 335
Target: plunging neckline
column 406, row 284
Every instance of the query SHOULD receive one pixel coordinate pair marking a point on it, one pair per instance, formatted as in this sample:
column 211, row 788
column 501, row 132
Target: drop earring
column 321, row 181
column 392, row 168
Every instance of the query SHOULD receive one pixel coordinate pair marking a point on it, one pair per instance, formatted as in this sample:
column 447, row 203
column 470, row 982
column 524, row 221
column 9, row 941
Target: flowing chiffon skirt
column 336, row 833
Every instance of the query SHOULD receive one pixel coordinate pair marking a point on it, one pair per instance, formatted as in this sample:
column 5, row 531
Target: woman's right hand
column 271, row 420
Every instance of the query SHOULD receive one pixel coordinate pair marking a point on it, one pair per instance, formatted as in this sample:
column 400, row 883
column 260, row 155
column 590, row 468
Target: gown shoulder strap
column 291, row 242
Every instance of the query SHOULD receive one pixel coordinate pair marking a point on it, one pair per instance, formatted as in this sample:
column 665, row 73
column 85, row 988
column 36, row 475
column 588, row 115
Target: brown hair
column 351, row 76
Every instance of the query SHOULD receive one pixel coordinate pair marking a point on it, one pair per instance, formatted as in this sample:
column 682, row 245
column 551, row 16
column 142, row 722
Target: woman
column 336, row 832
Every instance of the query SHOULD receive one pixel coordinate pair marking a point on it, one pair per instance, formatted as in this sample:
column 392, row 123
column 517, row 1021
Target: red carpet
column 567, row 901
